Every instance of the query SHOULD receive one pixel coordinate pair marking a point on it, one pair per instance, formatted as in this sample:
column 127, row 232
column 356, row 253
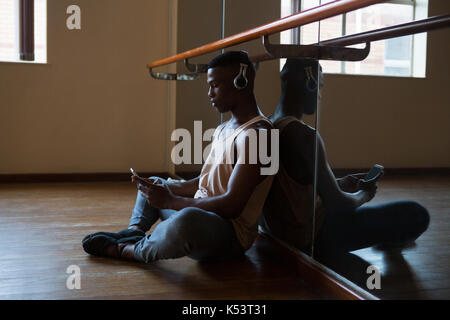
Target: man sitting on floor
column 215, row 215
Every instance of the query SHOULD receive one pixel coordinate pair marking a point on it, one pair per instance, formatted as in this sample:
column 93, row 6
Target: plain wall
column 93, row 107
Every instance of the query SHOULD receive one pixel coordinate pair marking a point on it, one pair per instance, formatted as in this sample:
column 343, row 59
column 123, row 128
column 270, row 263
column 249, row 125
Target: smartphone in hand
column 134, row 173
column 374, row 173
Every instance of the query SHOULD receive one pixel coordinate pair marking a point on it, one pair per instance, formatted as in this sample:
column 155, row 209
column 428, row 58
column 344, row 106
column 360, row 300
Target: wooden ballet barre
column 425, row 25
column 401, row 30
column 298, row 19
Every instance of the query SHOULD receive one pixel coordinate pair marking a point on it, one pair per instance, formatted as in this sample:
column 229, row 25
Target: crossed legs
column 390, row 224
column 192, row 232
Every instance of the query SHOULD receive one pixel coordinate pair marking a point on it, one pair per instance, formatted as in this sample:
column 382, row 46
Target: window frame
column 295, row 36
column 26, row 30
column 27, row 21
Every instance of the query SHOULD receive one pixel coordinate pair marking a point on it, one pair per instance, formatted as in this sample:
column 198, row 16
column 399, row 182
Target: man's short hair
column 231, row 58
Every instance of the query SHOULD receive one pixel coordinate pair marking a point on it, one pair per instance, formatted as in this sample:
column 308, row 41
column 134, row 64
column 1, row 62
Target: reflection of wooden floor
column 41, row 227
column 421, row 271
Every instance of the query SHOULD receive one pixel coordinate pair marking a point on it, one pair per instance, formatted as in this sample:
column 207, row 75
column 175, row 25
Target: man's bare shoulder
column 251, row 136
column 298, row 130
column 261, row 125
column 255, row 129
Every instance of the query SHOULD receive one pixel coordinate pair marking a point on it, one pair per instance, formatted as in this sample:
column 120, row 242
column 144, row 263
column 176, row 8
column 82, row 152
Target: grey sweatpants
column 193, row 232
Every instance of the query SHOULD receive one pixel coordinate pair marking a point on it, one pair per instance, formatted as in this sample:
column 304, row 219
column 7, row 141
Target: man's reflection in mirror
column 288, row 210
column 343, row 221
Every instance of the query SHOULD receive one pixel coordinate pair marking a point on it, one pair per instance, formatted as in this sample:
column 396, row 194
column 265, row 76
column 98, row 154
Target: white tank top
column 216, row 173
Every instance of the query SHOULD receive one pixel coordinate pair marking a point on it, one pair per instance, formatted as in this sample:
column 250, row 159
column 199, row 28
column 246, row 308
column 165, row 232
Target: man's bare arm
column 184, row 188
column 243, row 180
column 229, row 205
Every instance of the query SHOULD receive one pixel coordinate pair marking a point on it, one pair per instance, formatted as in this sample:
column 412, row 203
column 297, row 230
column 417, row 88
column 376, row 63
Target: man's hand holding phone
column 155, row 191
column 351, row 182
column 369, row 183
column 136, row 178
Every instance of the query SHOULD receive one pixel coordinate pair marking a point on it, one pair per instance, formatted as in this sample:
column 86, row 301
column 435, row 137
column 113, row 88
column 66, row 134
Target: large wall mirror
column 377, row 111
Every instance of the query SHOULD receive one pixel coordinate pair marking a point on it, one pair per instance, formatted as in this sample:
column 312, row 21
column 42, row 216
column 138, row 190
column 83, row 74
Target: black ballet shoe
column 96, row 245
column 126, row 233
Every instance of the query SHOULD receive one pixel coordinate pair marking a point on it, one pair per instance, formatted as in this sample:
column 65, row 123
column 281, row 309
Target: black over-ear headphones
column 311, row 81
column 240, row 81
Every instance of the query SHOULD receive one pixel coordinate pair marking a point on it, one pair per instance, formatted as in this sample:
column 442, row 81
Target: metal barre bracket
column 318, row 52
column 203, row 68
column 173, row 76
column 196, row 68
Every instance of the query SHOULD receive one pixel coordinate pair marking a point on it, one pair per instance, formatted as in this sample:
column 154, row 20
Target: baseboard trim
column 339, row 172
column 319, row 276
column 73, row 177
column 121, row 176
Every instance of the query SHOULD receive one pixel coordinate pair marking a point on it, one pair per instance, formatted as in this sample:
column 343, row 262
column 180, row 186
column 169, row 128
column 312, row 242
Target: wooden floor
column 421, row 271
column 41, row 227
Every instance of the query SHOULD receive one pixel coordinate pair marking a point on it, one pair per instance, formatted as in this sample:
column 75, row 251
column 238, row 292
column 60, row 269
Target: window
column 403, row 56
column 10, row 31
